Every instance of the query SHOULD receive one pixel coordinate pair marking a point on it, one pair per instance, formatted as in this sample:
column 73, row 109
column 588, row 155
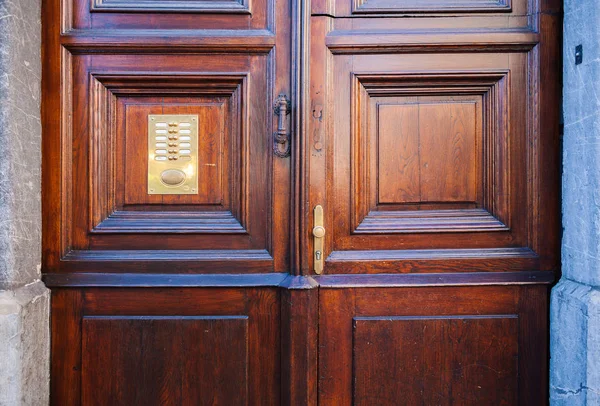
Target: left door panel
column 110, row 66
column 154, row 289
column 167, row 346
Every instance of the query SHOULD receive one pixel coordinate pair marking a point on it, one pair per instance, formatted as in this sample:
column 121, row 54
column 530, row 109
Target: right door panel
column 432, row 346
column 434, row 169
column 433, row 149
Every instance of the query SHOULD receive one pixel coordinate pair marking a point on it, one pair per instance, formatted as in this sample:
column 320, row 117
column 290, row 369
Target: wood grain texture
column 438, row 341
column 110, row 188
column 195, row 6
column 472, row 9
column 448, row 152
column 429, row 274
column 429, row 6
column 445, row 360
column 468, row 164
column 300, row 319
column 167, row 360
column 399, row 164
column 427, row 152
column 215, row 174
column 179, row 346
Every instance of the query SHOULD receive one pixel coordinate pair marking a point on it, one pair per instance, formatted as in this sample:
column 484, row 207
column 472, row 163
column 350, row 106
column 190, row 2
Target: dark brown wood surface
column 427, row 130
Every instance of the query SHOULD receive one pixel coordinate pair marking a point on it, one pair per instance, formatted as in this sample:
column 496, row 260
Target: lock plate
column 172, row 154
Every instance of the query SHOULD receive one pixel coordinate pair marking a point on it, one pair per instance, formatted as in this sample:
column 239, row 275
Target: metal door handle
column 318, row 233
column 281, row 139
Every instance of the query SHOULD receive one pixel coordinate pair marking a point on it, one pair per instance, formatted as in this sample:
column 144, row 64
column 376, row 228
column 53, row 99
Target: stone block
column 24, row 346
column 581, row 143
column 574, row 345
column 20, row 141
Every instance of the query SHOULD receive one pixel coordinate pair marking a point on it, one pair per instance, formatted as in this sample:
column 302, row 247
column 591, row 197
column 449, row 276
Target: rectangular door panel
column 164, row 360
column 116, row 63
column 166, row 346
column 379, row 8
column 432, row 345
column 430, row 164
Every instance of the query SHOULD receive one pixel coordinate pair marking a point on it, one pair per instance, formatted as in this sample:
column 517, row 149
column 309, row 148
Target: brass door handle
column 318, row 233
column 281, row 139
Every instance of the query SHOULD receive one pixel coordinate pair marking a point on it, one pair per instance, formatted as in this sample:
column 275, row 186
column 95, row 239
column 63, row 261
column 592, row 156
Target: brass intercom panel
column 172, row 154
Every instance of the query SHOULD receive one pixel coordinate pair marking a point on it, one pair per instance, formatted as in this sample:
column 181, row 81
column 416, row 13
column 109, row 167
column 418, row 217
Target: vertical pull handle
column 281, row 139
column 318, row 233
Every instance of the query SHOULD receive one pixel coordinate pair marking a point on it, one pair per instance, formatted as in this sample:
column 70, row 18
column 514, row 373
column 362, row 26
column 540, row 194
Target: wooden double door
column 425, row 130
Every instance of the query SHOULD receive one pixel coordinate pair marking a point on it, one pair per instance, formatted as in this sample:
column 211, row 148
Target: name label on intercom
column 172, row 154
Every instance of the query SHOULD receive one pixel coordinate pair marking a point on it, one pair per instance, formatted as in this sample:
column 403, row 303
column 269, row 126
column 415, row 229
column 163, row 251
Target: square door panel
column 425, row 161
column 224, row 225
column 431, row 164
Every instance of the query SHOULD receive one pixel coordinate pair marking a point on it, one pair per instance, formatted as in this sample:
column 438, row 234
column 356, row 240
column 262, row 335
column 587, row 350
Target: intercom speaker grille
column 172, row 154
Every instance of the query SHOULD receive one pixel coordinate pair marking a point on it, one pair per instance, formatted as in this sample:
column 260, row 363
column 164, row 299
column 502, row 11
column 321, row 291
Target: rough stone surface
column 575, row 303
column 20, row 140
column 24, row 345
column 24, row 300
column 581, row 177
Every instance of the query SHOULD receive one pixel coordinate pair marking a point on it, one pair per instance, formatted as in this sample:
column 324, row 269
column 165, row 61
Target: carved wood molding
column 417, row 41
column 106, row 212
column 430, row 6
column 171, row 41
column 434, row 260
column 491, row 211
column 175, row 6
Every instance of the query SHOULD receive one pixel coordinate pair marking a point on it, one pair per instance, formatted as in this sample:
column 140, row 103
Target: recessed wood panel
column 445, row 360
column 197, row 6
column 229, row 221
column 426, row 157
column 399, row 164
column 213, row 145
column 430, row 344
column 117, row 15
column 430, row 6
column 166, row 345
column 428, row 152
column 167, row 360
column 448, row 152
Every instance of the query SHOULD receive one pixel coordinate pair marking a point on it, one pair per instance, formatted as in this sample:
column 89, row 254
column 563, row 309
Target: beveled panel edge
column 456, row 82
column 432, row 254
column 416, row 41
column 165, row 222
column 84, row 279
column 463, row 6
column 194, row 6
column 437, row 317
column 436, row 279
column 137, row 262
column 170, row 41
column 165, row 255
column 429, row 221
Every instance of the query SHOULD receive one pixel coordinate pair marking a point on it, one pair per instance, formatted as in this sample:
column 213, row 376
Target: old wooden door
column 432, row 139
column 195, row 150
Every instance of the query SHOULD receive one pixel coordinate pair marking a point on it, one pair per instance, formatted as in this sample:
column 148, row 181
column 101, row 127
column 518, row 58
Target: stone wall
column 575, row 307
column 24, row 300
